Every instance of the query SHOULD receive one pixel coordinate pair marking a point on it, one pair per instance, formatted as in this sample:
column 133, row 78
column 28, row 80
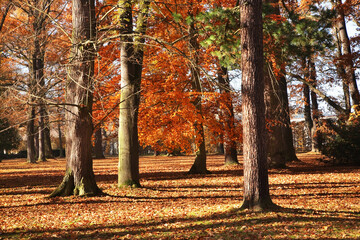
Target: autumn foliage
column 167, row 114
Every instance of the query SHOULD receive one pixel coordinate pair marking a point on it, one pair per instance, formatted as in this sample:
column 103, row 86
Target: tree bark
column 280, row 139
column 256, row 183
column 79, row 178
column 307, row 101
column 131, row 69
column 199, row 165
column 30, row 134
column 98, row 148
column 346, row 49
column 41, row 154
column 227, row 115
column 48, row 147
column 316, row 139
column 342, row 74
column 61, row 154
column 280, row 146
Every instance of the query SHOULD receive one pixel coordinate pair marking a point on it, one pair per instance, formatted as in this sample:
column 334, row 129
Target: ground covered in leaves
column 319, row 202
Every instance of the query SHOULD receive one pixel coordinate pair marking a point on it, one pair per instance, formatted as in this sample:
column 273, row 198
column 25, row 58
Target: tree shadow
column 233, row 224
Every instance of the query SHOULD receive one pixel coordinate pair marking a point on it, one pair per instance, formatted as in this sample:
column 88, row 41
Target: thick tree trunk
column 79, row 178
column 256, row 183
column 276, row 142
column 287, row 130
column 199, row 165
column 228, row 119
column 280, row 140
column 346, row 49
column 98, row 148
column 131, row 69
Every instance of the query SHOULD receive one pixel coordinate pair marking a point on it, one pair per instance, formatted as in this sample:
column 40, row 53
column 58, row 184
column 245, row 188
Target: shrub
column 343, row 144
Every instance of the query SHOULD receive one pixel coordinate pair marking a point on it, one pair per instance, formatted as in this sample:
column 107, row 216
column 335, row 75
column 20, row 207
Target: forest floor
column 319, row 202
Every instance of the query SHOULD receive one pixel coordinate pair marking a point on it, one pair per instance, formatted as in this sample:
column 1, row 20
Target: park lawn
column 319, row 202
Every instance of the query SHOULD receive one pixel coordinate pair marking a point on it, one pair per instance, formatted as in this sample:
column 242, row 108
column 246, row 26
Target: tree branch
column 333, row 104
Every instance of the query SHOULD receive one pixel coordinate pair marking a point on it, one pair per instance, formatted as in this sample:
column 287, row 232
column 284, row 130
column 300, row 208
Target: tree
column 280, row 140
column 227, row 114
column 342, row 73
column 350, row 78
column 28, row 25
column 9, row 136
column 39, row 11
column 98, row 148
column 199, row 165
column 131, row 58
column 256, row 183
column 79, row 178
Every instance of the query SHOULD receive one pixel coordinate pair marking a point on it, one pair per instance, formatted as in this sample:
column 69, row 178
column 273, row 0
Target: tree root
column 86, row 187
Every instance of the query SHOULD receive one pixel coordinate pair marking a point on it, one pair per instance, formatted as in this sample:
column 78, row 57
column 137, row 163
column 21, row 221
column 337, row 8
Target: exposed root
column 87, row 187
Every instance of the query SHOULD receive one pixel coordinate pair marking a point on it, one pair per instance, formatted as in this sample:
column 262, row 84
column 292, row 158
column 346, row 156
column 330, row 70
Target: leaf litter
column 319, row 202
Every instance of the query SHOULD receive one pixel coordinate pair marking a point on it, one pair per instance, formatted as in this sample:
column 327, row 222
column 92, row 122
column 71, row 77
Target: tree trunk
column 98, row 148
column 79, row 178
column 316, row 139
column 131, row 69
column 41, row 155
column 30, row 135
column 276, row 141
column 61, row 154
column 280, row 139
column 346, row 49
column 199, row 165
column 227, row 115
column 48, row 148
column 256, row 183
column 342, row 74
column 307, row 102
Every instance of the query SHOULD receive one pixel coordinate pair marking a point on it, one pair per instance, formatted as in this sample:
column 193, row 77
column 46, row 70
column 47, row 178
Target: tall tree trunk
column 38, row 68
column 346, row 49
column 227, row 115
column 342, row 74
column 37, row 12
column 131, row 69
column 79, row 178
column 280, row 139
column 98, row 148
column 256, row 182
column 38, row 74
column 199, row 165
column 316, row 139
column 307, row 102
